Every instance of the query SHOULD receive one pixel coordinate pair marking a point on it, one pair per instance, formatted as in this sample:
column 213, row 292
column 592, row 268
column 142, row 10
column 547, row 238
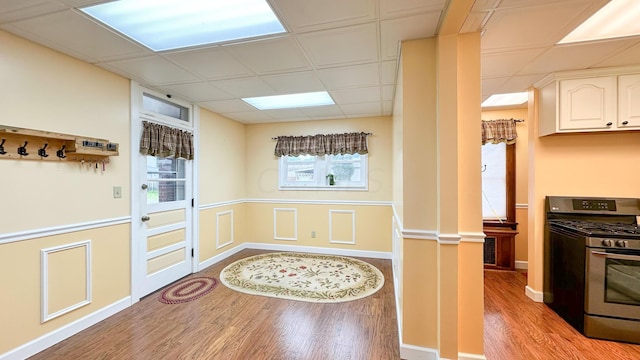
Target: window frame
column 321, row 167
column 510, row 184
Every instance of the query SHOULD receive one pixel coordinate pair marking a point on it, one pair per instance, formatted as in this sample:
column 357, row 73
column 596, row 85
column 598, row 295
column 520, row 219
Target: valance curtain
column 331, row 144
column 497, row 131
column 165, row 141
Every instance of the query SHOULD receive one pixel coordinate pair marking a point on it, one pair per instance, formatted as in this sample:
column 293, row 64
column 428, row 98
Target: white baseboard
column 411, row 352
column 220, row 257
column 320, row 250
column 523, row 265
column 47, row 340
column 533, row 294
column 465, row 356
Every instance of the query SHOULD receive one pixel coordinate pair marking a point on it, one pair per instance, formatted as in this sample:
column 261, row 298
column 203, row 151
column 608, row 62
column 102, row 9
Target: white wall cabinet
column 588, row 101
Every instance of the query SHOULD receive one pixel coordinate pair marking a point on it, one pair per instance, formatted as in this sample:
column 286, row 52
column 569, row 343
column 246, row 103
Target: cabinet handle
column 625, row 122
column 609, row 123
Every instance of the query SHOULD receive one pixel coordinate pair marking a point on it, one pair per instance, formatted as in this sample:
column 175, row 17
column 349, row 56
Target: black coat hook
column 2, row 152
column 43, row 152
column 60, row 153
column 22, row 150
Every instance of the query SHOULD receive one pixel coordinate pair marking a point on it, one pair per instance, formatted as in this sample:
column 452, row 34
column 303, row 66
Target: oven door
column 613, row 283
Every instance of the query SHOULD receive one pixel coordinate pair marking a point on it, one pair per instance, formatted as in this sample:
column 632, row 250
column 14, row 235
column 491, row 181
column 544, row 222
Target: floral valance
column 165, row 141
column 497, row 131
column 330, row 144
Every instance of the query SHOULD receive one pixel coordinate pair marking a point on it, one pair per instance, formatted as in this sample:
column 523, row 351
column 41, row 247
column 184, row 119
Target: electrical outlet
column 313, row 234
column 117, row 192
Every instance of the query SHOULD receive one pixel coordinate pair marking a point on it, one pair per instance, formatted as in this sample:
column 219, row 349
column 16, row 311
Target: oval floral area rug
column 303, row 276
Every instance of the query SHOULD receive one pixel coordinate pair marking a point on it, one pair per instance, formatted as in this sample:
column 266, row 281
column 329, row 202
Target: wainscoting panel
column 342, row 227
column 224, row 229
column 285, row 224
column 66, row 279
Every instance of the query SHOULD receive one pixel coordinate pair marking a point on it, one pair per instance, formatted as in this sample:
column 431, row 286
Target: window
column 349, row 171
column 498, row 182
column 166, row 180
column 159, row 106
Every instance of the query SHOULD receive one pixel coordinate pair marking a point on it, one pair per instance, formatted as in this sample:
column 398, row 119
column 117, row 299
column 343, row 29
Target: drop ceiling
column 348, row 48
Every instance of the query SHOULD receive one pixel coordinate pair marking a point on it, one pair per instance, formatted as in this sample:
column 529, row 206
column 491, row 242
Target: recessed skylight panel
column 619, row 18
column 510, row 99
column 320, row 98
column 172, row 24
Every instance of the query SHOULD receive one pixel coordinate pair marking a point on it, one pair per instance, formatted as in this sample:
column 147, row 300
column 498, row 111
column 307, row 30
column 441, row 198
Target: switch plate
column 313, row 234
column 117, row 192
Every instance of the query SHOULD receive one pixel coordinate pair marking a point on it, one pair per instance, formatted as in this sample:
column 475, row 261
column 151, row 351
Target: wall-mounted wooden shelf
column 28, row 144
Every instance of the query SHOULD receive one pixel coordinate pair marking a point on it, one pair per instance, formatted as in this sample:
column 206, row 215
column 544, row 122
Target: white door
column 165, row 233
column 162, row 227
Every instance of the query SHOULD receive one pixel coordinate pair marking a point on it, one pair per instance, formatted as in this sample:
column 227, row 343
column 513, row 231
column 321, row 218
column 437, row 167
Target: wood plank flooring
column 226, row 324
column 517, row 328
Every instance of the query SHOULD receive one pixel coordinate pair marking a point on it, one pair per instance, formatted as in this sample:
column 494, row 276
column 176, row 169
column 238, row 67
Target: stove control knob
column 621, row 243
column 607, row 242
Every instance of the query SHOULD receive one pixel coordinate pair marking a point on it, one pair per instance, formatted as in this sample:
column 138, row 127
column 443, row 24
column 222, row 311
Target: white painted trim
column 411, row 352
column 472, row 237
column 63, row 229
column 136, row 272
column 320, row 250
column 220, row 204
column 47, row 340
column 396, row 216
column 522, row 265
column 465, row 356
column 167, row 228
column 216, row 259
column 295, row 223
column 534, row 295
column 320, row 202
column 420, row 234
column 522, row 206
column 166, row 250
column 353, row 227
column 218, row 245
column 44, row 269
column 195, row 191
column 449, row 239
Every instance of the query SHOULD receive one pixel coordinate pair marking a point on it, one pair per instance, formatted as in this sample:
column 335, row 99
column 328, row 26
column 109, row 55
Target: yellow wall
column 45, row 90
column 587, row 164
column 222, row 228
column 522, row 172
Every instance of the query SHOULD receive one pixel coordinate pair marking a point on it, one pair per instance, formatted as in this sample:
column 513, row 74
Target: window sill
column 323, row 188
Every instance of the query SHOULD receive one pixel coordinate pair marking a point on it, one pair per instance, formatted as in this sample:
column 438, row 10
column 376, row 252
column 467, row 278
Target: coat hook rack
column 22, row 150
column 2, row 152
column 43, row 151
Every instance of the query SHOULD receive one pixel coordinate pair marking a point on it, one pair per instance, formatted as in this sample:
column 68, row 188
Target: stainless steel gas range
column 592, row 265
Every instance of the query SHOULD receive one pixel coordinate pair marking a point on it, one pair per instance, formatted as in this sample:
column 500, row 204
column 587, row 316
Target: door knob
column 145, row 218
column 144, row 186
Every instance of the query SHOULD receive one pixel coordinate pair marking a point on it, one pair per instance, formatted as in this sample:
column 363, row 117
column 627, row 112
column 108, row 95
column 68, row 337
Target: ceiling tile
column 151, row 70
column 512, row 28
column 245, row 87
column 248, row 117
column 388, row 92
column 286, row 115
column 387, row 108
column 196, row 92
column 304, row 16
column 364, row 109
column 79, row 36
column 574, row 56
column 13, row 10
column 518, row 83
column 323, row 112
column 395, row 8
column 628, row 56
column 265, row 56
column 211, row 63
column 359, row 95
column 350, row 76
column 491, row 86
column 228, row 106
column 407, row 28
column 342, row 46
column 297, row 82
column 389, row 72
column 507, row 63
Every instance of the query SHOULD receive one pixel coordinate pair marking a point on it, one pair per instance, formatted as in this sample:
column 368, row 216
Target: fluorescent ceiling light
column 173, row 24
column 319, row 98
column 506, row 99
column 619, row 18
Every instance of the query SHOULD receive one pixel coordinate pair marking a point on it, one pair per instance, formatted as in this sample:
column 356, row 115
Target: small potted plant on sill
column 331, row 179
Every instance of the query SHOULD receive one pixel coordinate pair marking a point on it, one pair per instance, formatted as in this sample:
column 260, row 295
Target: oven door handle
column 616, row 256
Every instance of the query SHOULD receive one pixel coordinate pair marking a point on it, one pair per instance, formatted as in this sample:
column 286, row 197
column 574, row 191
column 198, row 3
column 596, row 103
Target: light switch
column 117, row 192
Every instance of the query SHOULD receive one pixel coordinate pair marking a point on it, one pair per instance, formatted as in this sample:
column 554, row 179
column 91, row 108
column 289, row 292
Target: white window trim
column 365, row 174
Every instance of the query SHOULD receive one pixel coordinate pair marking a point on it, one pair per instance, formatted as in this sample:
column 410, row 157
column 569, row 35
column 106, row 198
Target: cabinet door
column 588, row 104
column 629, row 101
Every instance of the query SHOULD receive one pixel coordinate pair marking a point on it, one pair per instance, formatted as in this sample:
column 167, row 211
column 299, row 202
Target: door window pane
column 165, row 180
column 494, row 181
